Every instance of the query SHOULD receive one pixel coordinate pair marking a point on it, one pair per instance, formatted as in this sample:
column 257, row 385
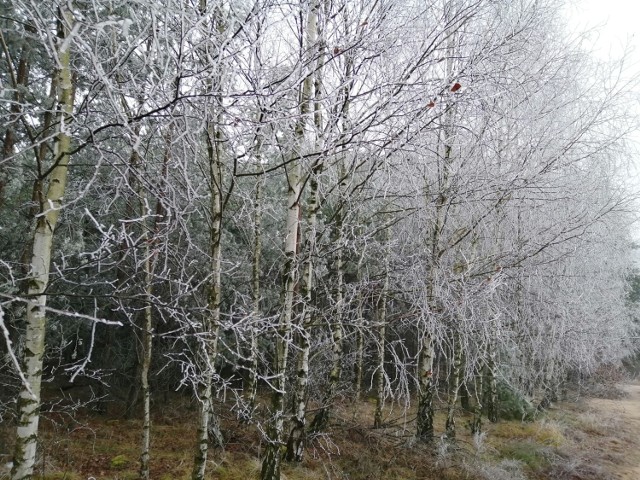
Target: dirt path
column 626, row 413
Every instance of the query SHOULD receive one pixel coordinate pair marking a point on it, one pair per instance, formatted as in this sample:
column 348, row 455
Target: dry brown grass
column 571, row 442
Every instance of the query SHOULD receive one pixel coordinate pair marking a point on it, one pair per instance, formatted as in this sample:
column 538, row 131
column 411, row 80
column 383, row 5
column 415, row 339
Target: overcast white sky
column 617, row 22
column 616, row 25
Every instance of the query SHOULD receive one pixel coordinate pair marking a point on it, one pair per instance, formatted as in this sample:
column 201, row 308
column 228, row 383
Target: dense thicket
column 394, row 198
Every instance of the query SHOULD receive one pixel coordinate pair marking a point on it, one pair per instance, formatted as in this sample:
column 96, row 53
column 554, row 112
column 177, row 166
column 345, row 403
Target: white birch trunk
column 321, row 419
column 208, row 424
column 251, row 385
column 358, row 369
column 425, row 416
column 147, row 327
column 147, row 344
column 454, row 386
column 272, row 457
column 34, row 346
column 359, row 361
column 381, row 320
column 476, row 422
column 297, row 436
column 492, row 386
column 424, row 422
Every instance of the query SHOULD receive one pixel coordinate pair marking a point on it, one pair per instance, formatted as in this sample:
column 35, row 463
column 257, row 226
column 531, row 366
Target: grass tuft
column 543, row 432
column 529, row 453
column 119, row 462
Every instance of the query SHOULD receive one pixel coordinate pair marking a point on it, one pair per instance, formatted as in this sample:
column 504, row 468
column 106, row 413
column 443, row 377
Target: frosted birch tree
column 294, row 176
column 436, row 186
column 49, row 194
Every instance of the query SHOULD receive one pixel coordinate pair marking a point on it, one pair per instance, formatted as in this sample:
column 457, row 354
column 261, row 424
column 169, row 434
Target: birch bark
column 251, row 384
column 321, row 419
column 150, row 235
column 425, row 417
column 272, row 458
column 208, row 423
column 454, row 386
column 50, row 204
column 476, row 422
column 208, row 426
column 492, row 386
column 381, row 332
column 147, row 344
column 297, row 436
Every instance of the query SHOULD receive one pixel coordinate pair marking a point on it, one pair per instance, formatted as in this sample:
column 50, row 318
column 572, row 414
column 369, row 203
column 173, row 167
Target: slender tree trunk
column 476, row 422
column 272, row 457
column 464, row 392
column 424, row 422
column 133, row 210
column 454, row 386
column 147, row 344
column 208, row 424
column 492, row 388
column 149, row 238
column 381, row 319
column 251, row 384
column 358, row 368
column 321, row 419
column 208, row 428
column 297, row 436
column 276, row 438
column 465, row 396
column 20, row 80
column 34, row 345
column 549, row 390
column 425, row 416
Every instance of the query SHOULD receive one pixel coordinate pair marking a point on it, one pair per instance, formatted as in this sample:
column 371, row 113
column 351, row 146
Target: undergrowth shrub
column 513, row 405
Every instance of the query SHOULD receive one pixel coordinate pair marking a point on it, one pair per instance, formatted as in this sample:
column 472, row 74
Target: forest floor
column 578, row 439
